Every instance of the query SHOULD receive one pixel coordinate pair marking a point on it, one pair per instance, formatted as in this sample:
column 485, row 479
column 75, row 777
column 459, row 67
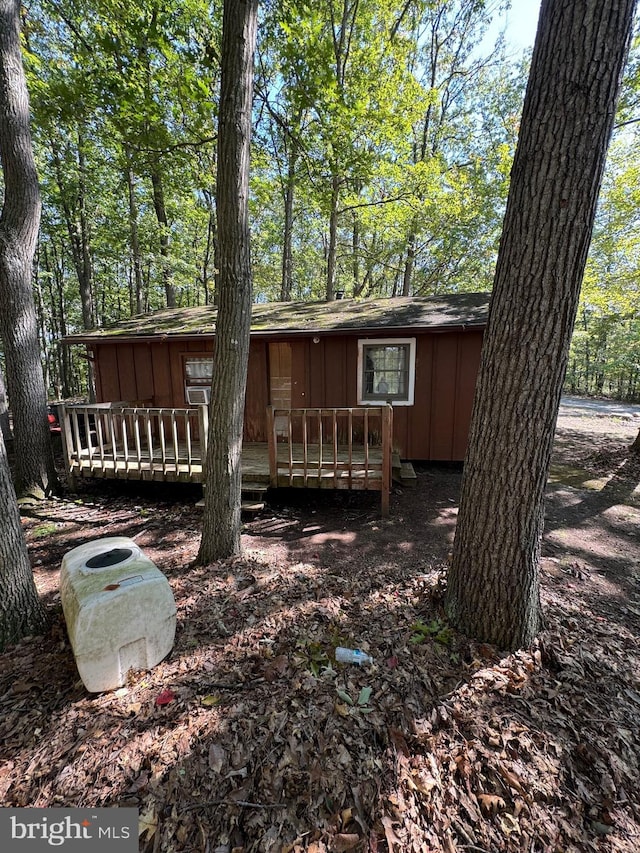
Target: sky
column 521, row 23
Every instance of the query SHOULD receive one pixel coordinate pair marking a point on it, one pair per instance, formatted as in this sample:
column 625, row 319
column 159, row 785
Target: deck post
column 387, row 432
column 203, row 430
column 272, row 438
column 67, row 445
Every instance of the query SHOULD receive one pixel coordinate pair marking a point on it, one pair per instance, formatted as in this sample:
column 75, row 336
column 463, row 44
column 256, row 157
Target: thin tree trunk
column 333, row 239
column 134, row 240
column 163, row 222
column 287, row 236
column 210, row 253
column 221, row 523
column 493, row 585
column 409, row 264
column 19, row 223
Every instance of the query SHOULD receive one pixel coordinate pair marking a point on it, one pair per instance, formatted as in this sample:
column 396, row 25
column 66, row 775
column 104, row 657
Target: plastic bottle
column 352, row 656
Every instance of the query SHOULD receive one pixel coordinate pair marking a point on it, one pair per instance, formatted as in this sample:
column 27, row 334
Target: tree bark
column 163, row 223
column 221, row 523
column 19, row 222
column 332, row 252
column 137, row 297
column 4, row 411
column 287, row 236
column 21, row 611
column 577, row 63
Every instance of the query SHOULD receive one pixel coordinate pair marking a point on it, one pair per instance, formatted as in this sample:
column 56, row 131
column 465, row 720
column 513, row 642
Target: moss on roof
column 458, row 309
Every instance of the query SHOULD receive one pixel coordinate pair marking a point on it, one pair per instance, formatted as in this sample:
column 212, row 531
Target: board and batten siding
column 323, row 373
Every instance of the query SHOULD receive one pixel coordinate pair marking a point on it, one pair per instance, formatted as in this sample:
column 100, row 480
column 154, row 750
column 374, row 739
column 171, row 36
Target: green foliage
column 435, row 630
column 605, row 351
column 388, row 128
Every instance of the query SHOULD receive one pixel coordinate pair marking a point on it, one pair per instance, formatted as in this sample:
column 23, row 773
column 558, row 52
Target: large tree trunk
column 21, row 611
column 4, row 411
column 493, row 589
column 19, row 222
column 221, row 523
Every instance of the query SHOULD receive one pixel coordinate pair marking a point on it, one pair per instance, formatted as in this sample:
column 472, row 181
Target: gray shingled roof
column 292, row 318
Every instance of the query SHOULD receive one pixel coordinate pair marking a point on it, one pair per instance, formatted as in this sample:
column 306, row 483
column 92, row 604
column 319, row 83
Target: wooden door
column 280, row 362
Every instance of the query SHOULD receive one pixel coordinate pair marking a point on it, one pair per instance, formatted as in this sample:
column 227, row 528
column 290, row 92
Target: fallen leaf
column 148, row 822
column 217, row 757
column 345, row 841
column 276, row 668
column 365, row 695
column 211, row 700
column 491, row 803
column 345, row 696
column 509, row 824
column 165, row 697
column 390, row 834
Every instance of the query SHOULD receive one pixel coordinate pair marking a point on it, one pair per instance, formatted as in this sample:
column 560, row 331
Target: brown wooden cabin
column 418, row 354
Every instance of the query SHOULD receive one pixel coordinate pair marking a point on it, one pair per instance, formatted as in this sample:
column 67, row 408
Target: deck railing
column 120, row 440
column 339, row 448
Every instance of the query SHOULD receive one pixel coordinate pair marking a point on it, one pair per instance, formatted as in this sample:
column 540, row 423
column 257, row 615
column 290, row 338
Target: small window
column 386, row 371
column 198, row 370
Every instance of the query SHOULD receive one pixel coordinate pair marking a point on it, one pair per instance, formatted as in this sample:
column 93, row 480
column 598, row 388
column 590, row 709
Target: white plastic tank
column 119, row 609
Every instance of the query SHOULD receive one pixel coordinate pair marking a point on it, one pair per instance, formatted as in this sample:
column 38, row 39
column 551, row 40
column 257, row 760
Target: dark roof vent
column 109, row 558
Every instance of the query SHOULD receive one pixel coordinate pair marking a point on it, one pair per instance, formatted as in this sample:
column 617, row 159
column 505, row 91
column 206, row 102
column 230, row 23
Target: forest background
column 384, row 132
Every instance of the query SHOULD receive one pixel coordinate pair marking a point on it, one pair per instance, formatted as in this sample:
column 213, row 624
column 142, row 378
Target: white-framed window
column 386, row 371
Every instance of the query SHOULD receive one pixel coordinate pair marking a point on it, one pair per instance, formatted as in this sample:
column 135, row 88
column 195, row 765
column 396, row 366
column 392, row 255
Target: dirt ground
column 250, row 737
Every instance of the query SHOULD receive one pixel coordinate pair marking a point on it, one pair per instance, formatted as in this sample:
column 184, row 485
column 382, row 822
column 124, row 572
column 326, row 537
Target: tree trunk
column 19, row 222
column 210, row 253
column 4, row 411
column 493, row 588
column 221, row 523
column 163, row 223
column 333, row 240
column 137, row 300
column 287, row 237
column 77, row 224
column 21, row 611
column 409, row 264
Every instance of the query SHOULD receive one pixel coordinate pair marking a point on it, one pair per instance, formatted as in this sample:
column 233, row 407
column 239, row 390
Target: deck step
column 254, row 487
column 252, row 506
column 408, row 475
column 245, row 506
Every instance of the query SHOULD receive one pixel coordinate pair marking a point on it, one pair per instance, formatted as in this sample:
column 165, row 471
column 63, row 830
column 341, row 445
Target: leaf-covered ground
column 249, row 737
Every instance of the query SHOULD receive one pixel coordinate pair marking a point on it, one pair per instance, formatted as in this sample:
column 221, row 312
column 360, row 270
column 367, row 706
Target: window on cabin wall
column 198, row 373
column 386, row 371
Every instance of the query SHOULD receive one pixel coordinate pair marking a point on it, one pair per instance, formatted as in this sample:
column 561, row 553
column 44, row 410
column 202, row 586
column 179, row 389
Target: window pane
column 199, row 369
column 386, row 371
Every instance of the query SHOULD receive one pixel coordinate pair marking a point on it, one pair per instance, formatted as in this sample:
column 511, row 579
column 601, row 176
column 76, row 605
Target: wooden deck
column 338, row 448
